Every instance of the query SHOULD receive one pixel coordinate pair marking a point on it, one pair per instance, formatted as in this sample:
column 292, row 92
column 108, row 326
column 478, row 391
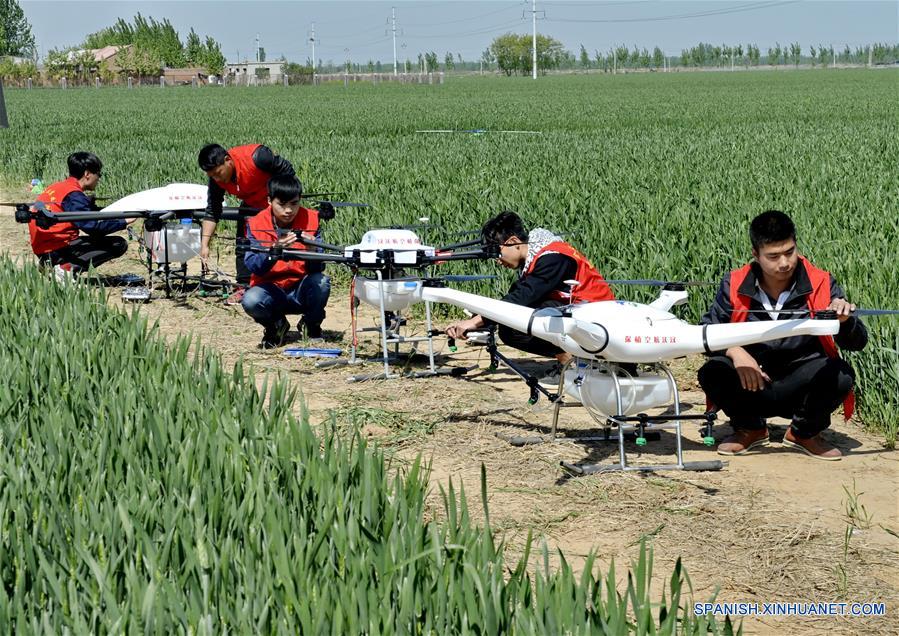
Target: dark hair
column 81, row 162
column 502, row 227
column 211, row 156
column 285, row 188
column 771, row 226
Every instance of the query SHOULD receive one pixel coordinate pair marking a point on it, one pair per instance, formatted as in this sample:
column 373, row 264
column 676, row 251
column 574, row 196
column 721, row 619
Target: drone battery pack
column 173, row 244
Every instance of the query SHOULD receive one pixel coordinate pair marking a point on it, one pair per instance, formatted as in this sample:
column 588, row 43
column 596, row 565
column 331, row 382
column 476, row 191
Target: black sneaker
column 274, row 335
column 313, row 332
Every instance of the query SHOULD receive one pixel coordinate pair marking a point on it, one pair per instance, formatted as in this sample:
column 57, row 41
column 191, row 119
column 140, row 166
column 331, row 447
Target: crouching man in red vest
column 74, row 247
column 545, row 262
column 800, row 377
column 279, row 287
column 242, row 171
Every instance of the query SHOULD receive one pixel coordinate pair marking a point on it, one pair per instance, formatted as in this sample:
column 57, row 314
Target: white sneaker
column 63, row 273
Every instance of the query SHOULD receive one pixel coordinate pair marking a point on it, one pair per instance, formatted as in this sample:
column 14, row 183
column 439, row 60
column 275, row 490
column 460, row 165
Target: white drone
column 388, row 274
column 606, row 339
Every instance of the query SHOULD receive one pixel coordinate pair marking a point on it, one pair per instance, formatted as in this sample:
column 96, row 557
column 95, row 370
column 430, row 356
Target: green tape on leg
column 641, row 441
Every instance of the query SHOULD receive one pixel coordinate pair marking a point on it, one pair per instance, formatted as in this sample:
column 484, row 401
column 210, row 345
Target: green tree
column 15, row 31
column 213, row 58
column 658, row 57
column 193, row 50
column 795, row 53
column 507, row 53
column 449, row 62
column 585, row 58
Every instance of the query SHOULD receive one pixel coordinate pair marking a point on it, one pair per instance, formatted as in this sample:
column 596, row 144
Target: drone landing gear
column 391, row 339
column 640, row 428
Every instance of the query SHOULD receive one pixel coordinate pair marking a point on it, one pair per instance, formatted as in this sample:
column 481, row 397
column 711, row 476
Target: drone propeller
column 447, row 278
column 319, row 195
column 823, row 314
column 345, row 204
column 673, row 284
column 456, row 246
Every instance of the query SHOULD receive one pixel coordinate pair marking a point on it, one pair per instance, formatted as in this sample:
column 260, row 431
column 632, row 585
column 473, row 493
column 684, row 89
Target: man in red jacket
column 799, row 377
column 547, row 263
column 281, row 287
column 242, row 171
column 74, row 247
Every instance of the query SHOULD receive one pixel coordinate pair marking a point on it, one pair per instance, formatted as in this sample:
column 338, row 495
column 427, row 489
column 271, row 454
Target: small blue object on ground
column 311, row 352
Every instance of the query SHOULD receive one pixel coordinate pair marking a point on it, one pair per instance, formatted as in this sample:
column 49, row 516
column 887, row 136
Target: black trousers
column 807, row 392
column 530, row 344
column 87, row 251
column 243, row 274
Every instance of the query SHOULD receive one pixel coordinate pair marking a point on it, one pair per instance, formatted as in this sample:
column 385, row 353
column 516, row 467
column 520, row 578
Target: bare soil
column 771, row 526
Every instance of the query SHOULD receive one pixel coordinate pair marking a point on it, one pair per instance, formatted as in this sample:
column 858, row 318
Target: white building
column 254, row 73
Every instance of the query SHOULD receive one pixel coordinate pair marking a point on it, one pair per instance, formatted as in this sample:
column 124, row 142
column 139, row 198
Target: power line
column 684, row 16
column 468, row 33
column 515, row 6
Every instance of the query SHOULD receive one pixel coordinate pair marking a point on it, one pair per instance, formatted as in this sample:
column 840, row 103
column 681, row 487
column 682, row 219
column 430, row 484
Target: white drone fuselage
column 174, row 197
column 611, row 332
column 621, row 331
column 405, row 248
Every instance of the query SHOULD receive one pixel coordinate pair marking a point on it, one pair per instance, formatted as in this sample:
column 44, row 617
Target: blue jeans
column 267, row 303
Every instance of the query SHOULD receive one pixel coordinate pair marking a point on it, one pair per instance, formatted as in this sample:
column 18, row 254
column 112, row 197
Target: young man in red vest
column 63, row 245
column 546, row 263
column 800, row 377
column 242, row 171
column 280, row 287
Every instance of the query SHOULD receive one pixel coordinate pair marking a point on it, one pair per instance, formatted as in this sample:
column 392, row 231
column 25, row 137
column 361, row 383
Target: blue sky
column 359, row 28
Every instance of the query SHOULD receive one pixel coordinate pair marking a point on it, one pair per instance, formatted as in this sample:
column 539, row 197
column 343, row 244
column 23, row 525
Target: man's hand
column 286, row 240
column 130, row 221
column 458, row 329
column 752, row 378
column 843, row 308
column 206, row 233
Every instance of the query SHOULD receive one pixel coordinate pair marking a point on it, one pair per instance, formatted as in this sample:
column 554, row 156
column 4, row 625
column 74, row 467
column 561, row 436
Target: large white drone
column 171, row 237
column 607, row 339
column 389, row 273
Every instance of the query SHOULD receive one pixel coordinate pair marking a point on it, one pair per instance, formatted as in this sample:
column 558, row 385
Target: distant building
column 254, row 73
column 108, row 54
column 185, row 75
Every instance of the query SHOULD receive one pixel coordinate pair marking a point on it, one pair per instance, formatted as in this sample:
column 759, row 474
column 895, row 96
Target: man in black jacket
column 799, row 377
column 547, row 266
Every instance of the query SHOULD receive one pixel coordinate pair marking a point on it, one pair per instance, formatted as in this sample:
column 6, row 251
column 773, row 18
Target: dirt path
column 769, row 527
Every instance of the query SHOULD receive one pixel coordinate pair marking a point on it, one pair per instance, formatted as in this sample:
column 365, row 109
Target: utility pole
column 393, row 28
column 534, row 40
column 312, row 39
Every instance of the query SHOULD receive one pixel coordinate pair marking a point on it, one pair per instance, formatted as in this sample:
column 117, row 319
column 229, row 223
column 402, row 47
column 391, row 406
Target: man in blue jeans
column 280, row 287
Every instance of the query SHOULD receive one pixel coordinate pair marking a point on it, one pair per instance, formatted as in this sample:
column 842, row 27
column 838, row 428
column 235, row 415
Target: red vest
column 250, row 184
column 284, row 274
column 58, row 235
column 592, row 286
column 818, row 300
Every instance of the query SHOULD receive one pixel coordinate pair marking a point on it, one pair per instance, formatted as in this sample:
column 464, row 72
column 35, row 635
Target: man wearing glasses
column 71, row 248
column 547, row 267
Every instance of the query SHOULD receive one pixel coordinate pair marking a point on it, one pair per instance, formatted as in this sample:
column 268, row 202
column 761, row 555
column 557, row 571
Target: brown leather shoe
column 742, row 440
column 813, row 446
